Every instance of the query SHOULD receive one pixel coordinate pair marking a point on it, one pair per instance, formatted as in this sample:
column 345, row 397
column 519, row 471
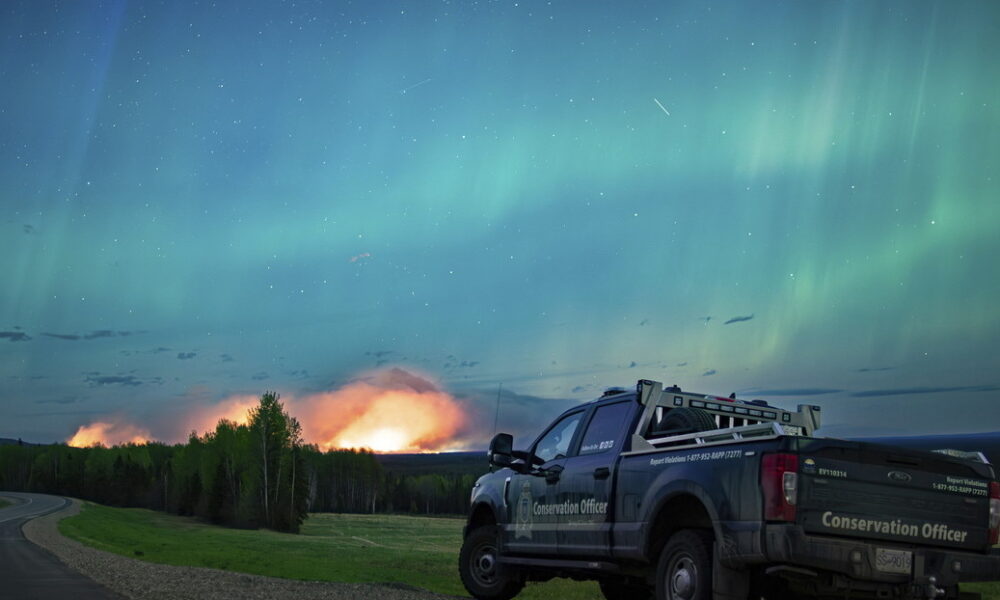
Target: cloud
column 739, row 319
column 62, row 336
column 96, row 379
column 924, row 390
column 93, row 335
column 358, row 257
column 101, row 333
column 186, row 355
column 454, row 363
column 682, row 364
column 159, row 350
column 226, row 358
column 709, row 373
column 29, row 229
column 14, row 336
column 795, row 392
column 380, row 353
column 633, row 365
column 875, row 369
column 260, row 376
column 643, row 322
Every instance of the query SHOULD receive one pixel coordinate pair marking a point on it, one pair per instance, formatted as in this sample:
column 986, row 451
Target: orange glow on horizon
column 236, row 409
column 384, row 414
column 389, row 411
column 108, row 434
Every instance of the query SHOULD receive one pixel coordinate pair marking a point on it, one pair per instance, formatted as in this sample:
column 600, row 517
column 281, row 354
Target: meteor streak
column 663, row 108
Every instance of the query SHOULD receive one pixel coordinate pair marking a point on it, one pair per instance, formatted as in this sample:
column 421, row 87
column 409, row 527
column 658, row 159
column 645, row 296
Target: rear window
column 605, row 428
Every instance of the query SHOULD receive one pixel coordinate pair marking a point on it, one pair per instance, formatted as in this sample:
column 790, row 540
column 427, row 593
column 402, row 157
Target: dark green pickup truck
column 673, row 495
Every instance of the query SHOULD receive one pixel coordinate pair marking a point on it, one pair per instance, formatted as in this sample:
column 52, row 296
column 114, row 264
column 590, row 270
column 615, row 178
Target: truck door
column 532, row 497
column 586, row 482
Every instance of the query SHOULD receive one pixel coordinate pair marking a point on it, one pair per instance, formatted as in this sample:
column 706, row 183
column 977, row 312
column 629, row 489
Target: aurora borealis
column 797, row 201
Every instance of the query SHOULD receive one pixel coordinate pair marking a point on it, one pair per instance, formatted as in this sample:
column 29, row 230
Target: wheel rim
column 682, row 578
column 484, row 564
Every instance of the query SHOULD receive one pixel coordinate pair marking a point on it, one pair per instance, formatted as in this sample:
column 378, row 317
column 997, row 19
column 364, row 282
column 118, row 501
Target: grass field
column 415, row 551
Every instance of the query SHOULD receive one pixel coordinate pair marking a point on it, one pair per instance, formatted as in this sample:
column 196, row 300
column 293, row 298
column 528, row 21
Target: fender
column 674, row 485
column 486, row 494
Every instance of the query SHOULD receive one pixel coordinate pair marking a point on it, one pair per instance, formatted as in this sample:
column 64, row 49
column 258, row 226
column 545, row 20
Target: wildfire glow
column 108, row 434
column 233, row 409
column 392, row 411
column 387, row 411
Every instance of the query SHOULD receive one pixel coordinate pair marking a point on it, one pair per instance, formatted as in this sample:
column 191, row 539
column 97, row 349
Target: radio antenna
column 496, row 416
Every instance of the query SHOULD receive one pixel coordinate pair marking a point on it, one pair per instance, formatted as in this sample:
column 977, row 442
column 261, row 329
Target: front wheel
column 481, row 572
column 684, row 571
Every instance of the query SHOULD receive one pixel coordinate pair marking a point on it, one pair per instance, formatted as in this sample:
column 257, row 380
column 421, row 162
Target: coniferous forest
column 260, row 474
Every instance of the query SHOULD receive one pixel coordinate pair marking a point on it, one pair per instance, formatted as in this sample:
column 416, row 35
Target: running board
column 552, row 563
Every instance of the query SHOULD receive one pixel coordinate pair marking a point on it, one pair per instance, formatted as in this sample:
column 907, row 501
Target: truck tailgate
column 881, row 492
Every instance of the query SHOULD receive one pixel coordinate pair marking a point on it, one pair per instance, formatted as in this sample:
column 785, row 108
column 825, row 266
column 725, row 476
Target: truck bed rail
column 715, row 437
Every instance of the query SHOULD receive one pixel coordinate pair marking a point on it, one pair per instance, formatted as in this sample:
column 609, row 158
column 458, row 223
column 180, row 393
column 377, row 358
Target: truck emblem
column 899, row 476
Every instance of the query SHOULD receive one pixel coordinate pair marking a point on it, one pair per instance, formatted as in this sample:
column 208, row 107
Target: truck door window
column 605, row 428
column 555, row 443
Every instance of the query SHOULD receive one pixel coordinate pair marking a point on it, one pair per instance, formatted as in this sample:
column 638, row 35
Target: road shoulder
column 134, row 578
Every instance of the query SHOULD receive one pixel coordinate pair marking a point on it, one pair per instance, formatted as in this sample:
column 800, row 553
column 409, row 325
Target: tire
column 481, row 572
column 684, row 571
column 687, row 420
column 618, row 589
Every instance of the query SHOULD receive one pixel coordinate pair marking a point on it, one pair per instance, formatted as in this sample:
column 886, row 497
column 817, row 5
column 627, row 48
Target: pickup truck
column 669, row 494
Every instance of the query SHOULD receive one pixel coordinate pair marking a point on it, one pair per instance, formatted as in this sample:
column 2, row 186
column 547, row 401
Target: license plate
column 893, row 561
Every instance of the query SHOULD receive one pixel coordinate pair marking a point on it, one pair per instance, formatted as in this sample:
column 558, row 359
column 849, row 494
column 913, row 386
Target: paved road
column 30, row 573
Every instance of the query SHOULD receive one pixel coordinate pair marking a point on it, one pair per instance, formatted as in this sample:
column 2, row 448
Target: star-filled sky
column 797, row 201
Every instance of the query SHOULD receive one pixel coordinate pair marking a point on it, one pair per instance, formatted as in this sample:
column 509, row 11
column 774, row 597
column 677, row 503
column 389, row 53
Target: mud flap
column 728, row 583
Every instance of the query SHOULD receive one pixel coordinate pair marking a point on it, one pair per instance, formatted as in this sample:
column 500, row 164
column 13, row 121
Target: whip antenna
column 496, row 416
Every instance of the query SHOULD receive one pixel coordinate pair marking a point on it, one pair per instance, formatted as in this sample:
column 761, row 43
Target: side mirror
column 501, row 450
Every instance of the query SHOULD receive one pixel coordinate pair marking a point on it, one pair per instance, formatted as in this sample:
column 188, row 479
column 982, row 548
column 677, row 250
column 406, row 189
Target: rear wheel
column 684, row 571
column 480, row 568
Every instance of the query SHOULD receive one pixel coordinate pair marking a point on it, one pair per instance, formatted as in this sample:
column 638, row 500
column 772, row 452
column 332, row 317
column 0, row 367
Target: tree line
column 260, row 474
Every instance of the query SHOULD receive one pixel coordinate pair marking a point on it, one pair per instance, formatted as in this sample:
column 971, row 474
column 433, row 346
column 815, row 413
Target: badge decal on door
column 523, row 518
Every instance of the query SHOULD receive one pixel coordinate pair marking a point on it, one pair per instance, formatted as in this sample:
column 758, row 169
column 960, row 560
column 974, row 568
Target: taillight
column 779, row 480
column 994, row 512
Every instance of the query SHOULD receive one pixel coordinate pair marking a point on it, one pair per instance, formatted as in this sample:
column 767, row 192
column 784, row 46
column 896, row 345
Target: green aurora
column 203, row 200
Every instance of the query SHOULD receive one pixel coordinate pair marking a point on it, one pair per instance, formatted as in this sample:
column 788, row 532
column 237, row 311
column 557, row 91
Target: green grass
column 990, row 591
column 415, row 551
column 4, row 503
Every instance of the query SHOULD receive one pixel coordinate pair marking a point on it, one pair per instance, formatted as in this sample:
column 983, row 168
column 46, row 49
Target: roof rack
column 734, row 417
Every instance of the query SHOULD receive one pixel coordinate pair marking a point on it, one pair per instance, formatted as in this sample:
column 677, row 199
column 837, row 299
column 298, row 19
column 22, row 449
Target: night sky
column 794, row 201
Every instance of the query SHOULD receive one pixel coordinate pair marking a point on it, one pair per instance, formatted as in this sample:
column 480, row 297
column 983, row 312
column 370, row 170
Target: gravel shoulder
column 137, row 579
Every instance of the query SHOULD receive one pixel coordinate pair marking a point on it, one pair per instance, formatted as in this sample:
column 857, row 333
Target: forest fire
column 392, row 411
column 386, row 411
column 108, row 434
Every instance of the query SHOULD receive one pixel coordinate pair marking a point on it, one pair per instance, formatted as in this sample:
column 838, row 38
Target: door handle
column 602, row 473
column 552, row 475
